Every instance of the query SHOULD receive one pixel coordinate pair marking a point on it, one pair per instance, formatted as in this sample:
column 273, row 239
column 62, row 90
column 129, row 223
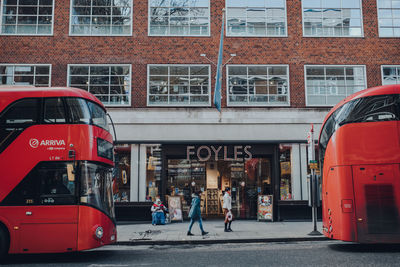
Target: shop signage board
column 175, row 208
column 265, row 210
column 212, row 182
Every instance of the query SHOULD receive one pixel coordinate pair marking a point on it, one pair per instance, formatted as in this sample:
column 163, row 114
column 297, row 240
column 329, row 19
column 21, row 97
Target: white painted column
column 134, row 173
column 296, row 172
column 304, row 163
column 142, row 172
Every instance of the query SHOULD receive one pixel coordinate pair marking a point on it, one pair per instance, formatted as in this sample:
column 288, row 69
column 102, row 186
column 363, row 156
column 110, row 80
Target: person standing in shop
column 195, row 214
column 227, row 207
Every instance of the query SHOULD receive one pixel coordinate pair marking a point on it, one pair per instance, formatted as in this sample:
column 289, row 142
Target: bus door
column 377, row 191
column 51, row 223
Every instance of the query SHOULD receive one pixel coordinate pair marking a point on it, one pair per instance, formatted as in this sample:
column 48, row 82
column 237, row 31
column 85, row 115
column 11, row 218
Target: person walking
column 195, row 214
column 227, row 207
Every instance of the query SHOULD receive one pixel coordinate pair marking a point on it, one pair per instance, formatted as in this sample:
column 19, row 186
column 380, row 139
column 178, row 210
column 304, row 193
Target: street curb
column 139, row 242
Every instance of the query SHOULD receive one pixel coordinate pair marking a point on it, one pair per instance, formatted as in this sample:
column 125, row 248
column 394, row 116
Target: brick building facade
column 165, row 133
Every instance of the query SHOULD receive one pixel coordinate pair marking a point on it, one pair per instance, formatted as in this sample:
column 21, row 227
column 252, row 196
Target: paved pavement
column 244, row 231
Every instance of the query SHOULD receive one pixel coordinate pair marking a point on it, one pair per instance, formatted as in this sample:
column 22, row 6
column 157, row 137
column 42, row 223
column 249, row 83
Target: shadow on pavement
column 59, row 258
column 377, row 248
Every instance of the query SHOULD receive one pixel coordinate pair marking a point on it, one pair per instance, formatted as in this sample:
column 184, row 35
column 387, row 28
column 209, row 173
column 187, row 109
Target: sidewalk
column 244, row 231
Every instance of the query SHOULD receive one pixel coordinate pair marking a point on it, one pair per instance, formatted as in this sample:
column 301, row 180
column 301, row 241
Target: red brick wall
column 140, row 49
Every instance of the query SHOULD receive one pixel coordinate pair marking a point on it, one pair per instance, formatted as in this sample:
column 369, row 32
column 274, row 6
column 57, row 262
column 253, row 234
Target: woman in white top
column 227, row 206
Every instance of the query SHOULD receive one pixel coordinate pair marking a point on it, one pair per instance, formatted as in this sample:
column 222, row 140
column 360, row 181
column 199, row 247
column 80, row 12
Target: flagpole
column 218, row 77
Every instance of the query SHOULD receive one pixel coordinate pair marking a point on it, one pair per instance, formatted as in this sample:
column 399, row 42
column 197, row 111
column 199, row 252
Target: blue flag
column 218, row 77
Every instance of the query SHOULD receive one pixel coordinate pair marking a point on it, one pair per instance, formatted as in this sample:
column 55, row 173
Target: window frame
column 266, row 28
column 27, row 34
column 103, row 65
column 379, row 24
column 397, row 67
column 267, row 104
column 334, row 36
column 168, row 75
column 175, row 35
column 327, row 66
column 91, row 15
column 34, row 75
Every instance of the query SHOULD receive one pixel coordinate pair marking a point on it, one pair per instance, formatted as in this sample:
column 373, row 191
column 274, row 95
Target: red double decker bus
column 359, row 148
column 56, row 158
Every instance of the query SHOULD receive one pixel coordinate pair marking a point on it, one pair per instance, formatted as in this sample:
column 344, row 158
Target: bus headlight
column 99, row 232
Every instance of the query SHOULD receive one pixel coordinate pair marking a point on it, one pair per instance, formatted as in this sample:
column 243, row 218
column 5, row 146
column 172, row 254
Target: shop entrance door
column 247, row 180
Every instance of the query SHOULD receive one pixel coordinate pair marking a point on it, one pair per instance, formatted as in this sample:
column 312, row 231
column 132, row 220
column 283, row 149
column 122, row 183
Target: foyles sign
column 215, row 152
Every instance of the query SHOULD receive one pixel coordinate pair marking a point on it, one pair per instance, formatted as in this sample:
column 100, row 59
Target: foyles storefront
column 278, row 170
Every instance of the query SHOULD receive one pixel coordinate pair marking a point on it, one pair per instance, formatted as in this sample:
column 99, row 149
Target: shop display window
column 184, row 178
column 153, row 172
column 247, row 179
column 121, row 174
column 285, row 151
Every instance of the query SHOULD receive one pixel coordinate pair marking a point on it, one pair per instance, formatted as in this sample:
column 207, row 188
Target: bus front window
column 96, row 187
column 98, row 115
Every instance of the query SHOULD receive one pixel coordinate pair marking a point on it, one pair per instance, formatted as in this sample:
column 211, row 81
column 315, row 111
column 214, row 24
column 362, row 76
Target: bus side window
column 78, row 110
column 57, row 186
column 16, row 118
column 54, row 110
column 25, row 193
column 21, row 112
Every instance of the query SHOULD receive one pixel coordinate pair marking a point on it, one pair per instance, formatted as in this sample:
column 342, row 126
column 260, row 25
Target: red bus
column 56, row 157
column 359, row 148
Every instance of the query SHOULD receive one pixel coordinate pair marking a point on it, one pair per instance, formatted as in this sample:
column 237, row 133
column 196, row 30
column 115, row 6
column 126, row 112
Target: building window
column 389, row 18
column 27, row 17
column 179, row 17
column 181, row 85
column 256, row 18
column 109, row 83
column 337, row 18
column 391, row 74
column 259, row 85
column 101, row 17
column 21, row 74
column 327, row 85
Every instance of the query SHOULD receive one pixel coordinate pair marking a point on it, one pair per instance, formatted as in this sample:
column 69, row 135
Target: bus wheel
column 4, row 243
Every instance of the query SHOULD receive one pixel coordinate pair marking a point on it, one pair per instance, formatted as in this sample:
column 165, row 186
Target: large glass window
column 338, row 18
column 327, row 85
column 153, row 172
column 27, row 17
column 122, row 173
column 96, row 187
column 259, row 85
column 390, row 75
column 179, row 17
column 389, row 18
column 109, row 83
column 285, row 161
column 37, row 75
column 256, row 18
column 179, row 85
column 101, row 17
